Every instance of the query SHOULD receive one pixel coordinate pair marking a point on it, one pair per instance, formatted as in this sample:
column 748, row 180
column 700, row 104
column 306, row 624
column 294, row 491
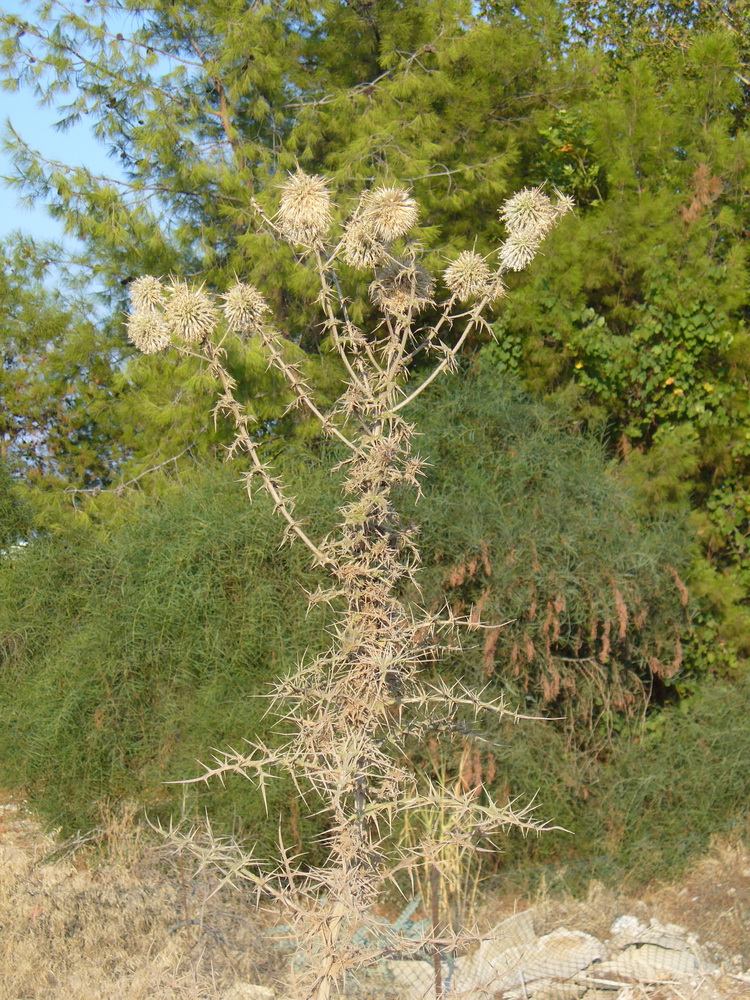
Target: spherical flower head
column 190, row 314
column 529, row 211
column 565, row 203
column 148, row 331
column 389, row 212
column 361, row 248
column 146, row 294
column 305, row 211
column 244, row 308
column 402, row 288
column 519, row 250
column 468, row 277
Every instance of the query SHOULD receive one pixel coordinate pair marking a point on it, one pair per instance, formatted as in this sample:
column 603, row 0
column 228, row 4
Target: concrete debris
column 649, row 963
column 563, row 953
column 418, row 977
column 550, row 989
column 558, row 955
column 514, row 931
column 627, row 926
column 492, row 964
column 515, row 963
column 627, row 930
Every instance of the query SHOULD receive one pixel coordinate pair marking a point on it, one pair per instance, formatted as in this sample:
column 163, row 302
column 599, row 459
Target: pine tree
column 208, row 107
column 636, row 110
column 56, row 381
column 647, row 316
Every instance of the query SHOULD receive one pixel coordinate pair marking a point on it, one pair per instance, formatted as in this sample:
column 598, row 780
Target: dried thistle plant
column 352, row 714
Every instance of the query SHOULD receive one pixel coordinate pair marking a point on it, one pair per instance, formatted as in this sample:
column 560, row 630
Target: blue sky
column 75, row 146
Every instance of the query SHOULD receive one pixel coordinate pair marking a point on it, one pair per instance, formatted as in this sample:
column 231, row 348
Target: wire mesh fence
column 514, row 962
column 578, row 934
column 574, row 946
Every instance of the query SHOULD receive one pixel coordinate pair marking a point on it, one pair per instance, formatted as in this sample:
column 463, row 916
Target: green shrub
column 127, row 657
column 644, row 812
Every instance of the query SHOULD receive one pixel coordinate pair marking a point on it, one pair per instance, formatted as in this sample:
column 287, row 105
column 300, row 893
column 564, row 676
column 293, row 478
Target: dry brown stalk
column 353, row 713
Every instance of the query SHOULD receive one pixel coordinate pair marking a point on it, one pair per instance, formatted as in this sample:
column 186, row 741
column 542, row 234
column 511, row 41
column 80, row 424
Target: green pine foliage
column 85, row 415
column 15, row 515
column 627, row 29
column 55, row 382
column 644, row 305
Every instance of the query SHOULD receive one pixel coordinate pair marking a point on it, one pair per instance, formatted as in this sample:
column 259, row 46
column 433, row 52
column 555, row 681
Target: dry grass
column 713, row 899
column 119, row 921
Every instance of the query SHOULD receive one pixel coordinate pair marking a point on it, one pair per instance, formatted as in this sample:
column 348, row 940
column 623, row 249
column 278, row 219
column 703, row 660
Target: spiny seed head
column 189, row 313
column 244, row 308
column 402, row 287
column 530, row 210
column 305, row 211
column 361, row 248
column 389, row 212
column 519, row 249
column 468, row 277
column 146, row 293
column 565, row 203
column 148, row 331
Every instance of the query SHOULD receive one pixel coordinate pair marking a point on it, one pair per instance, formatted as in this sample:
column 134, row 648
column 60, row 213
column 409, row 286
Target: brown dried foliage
column 706, row 189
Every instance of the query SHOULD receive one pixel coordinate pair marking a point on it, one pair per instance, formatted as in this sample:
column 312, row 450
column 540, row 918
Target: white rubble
column 415, row 976
column 627, row 930
column 554, row 957
column 514, row 962
column 649, row 963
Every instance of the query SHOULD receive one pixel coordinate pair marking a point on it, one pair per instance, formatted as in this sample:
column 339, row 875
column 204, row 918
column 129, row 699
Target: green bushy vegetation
column 127, row 655
column 134, row 625
column 530, row 524
column 642, row 813
column 15, row 516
